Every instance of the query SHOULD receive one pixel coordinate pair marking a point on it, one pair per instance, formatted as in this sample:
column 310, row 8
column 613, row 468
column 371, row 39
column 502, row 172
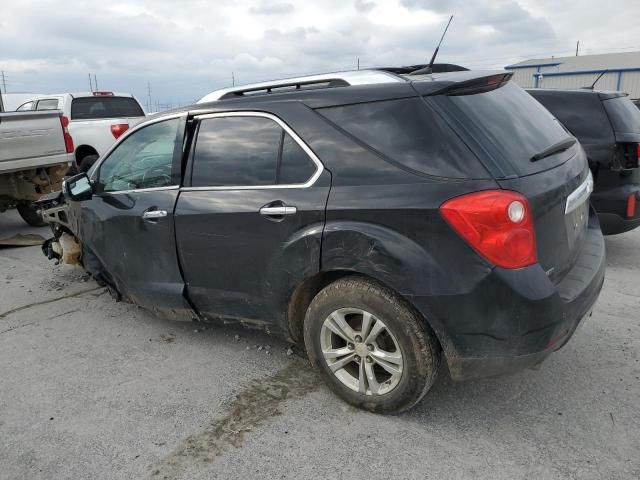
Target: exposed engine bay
column 63, row 217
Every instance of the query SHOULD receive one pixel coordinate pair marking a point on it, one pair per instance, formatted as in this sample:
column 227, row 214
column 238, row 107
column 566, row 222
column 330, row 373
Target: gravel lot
column 95, row 389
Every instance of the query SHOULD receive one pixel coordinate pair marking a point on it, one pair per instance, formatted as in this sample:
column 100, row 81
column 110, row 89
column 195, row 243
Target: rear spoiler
column 480, row 84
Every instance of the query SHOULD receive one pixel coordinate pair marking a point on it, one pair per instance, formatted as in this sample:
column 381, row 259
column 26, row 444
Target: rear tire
column 384, row 359
column 30, row 215
column 86, row 163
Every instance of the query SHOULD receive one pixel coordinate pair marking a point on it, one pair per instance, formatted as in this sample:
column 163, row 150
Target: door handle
column 154, row 214
column 278, row 211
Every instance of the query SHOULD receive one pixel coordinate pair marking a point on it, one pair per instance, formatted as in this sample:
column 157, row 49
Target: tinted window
column 143, row 160
column 295, row 166
column 624, row 115
column 407, row 132
column 90, row 108
column 513, row 126
column 47, row 104
column 25, row 107
column 582, row 113
column 236, row 151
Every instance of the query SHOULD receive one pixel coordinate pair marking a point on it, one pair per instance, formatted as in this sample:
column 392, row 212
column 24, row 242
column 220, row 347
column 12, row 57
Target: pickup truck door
column 127, row 227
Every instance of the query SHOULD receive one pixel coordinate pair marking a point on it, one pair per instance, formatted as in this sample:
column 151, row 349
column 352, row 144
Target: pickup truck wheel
column 30, row 215
column 86, row 163
column 373, row 350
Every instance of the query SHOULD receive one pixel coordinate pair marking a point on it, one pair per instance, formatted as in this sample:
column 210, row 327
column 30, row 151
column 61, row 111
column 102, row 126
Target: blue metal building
column 621, row 72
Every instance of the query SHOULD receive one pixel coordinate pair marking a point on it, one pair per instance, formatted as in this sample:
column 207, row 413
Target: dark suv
column 607, row 124
column 382, row 221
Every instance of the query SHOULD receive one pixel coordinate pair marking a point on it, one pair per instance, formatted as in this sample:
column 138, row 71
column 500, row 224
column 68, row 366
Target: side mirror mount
column 78, row 188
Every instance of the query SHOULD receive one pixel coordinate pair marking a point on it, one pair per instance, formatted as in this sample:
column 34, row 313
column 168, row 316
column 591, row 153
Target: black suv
column 383, row 221
column 607, row 124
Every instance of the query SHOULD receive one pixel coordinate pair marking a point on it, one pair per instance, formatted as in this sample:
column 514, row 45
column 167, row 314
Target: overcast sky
column 188, row 48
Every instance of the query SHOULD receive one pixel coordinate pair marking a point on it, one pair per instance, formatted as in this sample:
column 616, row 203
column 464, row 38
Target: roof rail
column 286, row 87
column 325, row 80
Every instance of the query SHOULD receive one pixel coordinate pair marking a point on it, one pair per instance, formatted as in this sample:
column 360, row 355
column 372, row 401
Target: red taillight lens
column 631, row 206
column 497, row 223
column 119, row 129
column 68, row 141
column 638, row 155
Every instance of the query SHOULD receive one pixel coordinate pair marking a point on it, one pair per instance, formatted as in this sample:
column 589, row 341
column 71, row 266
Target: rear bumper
column 610, row 201
column 513, row 319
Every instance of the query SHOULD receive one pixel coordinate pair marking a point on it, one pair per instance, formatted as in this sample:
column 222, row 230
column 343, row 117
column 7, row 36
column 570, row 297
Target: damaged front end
column 64, row 217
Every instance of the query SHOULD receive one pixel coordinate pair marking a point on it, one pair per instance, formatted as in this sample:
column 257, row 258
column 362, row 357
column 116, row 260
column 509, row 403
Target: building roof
column 607, row 61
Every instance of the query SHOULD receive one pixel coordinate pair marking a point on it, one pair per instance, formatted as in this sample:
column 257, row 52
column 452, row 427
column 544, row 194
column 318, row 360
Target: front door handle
column 278, row 211
column 154, row 214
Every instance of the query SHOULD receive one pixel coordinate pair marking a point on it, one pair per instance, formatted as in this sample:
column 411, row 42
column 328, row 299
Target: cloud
column 268, row 8
column 189, row 51
column 364, row 5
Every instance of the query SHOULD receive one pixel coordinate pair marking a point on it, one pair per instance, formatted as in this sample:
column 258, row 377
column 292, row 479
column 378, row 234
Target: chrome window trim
column 286, row 128
column 124, row 136
column 138, row 190
column 579, row 195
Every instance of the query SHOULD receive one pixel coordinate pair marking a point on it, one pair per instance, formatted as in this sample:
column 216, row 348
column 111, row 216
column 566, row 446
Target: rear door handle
column 277, row 211
column 154, row 214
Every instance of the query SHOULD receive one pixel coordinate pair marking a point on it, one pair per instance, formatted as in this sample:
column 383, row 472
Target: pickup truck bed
column 31, row 140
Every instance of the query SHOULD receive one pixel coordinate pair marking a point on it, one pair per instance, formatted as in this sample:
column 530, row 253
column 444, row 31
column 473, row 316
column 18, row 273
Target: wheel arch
column 84, row 150
column 304, row 294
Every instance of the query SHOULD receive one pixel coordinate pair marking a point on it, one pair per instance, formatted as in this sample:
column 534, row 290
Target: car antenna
column 595, row 81
column 435, row 53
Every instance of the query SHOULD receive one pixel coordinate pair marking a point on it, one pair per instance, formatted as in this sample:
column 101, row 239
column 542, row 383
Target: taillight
column 638, row 155
column 68, row 141
column 497, row 223
column 119, row 129
column 631, row 205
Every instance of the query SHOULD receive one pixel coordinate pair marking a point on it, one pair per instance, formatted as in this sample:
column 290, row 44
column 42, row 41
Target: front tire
column 30, row 215
column 373, row 350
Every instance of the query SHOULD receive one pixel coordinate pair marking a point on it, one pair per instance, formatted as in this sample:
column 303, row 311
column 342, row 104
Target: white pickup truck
column 36, row 152
column 96, row 119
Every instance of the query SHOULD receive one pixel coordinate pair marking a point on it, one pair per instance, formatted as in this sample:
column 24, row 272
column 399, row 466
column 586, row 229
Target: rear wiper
column 561, row 146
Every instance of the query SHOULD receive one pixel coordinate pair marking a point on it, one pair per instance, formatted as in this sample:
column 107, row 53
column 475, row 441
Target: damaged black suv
column 383, row 221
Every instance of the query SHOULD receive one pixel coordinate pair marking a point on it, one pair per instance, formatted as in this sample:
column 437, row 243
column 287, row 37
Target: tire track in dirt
column 260, row 401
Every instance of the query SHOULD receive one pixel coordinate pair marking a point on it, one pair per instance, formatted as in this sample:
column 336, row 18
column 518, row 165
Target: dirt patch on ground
column 260, row 401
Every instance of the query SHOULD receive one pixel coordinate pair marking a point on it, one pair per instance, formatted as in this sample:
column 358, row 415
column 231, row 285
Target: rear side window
column 624, row 115
column 247, row 151
column 408, row 133
column 295, row 165
column 47, row 104
column 582, row 113
column 93, row 108
column 511, row 126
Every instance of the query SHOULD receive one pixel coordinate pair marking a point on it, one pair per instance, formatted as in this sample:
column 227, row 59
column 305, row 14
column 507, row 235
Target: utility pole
column 577, row 47
column 149, row 97
column 233, row 80
column 95, row 81
column 358, row 63
column 4, row 82
column 90, row 84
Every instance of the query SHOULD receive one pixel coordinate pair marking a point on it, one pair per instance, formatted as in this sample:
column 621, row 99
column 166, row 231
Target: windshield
column 512, row 127
column 624, row 115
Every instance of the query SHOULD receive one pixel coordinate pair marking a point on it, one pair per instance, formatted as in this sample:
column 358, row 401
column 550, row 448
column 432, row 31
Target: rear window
column 624, row 115
column 511, row 126
column 581, row 112
column 407, row 132
column 92, row 108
